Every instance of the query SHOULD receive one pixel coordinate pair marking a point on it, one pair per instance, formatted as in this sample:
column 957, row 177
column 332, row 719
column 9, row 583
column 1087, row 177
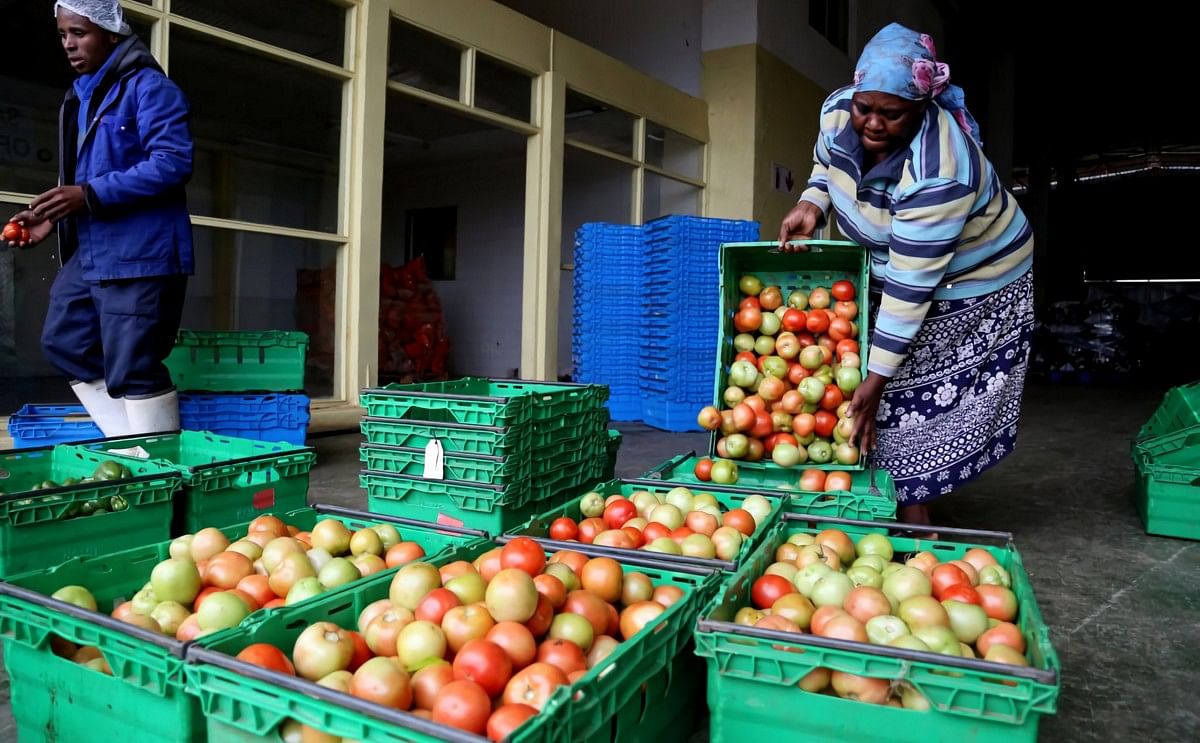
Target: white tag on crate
column 136, row 451
column 434, row 461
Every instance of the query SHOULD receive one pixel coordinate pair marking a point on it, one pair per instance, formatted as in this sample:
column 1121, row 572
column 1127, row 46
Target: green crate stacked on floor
column 1166, row 458
column 509, row 449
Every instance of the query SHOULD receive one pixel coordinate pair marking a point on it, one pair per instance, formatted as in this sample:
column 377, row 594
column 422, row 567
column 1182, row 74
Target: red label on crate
column 447, row 521
column 264, row 499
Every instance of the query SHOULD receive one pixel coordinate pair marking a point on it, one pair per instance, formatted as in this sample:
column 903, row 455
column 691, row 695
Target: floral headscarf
column 902, row 62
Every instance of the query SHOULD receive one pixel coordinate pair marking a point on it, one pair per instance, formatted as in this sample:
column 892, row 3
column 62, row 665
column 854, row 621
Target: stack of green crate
column 1166, row 458
column 510, row 449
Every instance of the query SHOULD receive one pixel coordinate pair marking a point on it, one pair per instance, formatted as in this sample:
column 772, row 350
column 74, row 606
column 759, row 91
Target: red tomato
column 838, row 481
column 562, row 654
column 818, row 322
column 751, row 302
column 534, row 685
column 845, row 346
column 655, row 530
column 681, row 534
column 564, row 529
column 740, row 519
column 525, row 555
column 848, row 310
column 619, row 512
column 589, row 528
column 436, row 603
column 806, row 339
column 362, row 652
column 506, row 719
column 747, row 320
column 485, row 663
column 797, row 373
column 839, row 329
column 832, row 398
column 946, row 575
column 635, row 534
column 703, row 469
column 747, row 356
column 963, row 592
column 463, row 705
column 768, row 589
column 12, row 232
column 268, row 656
column 842, row 290
column 825, row 421
column 763, row 426
column 804, row 424
column 785, row 438
column 795, row 320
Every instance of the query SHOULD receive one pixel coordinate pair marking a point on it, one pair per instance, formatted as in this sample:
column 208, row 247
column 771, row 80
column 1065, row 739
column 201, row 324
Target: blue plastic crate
column 38, row 424
column 262, row 417
column 671, row 416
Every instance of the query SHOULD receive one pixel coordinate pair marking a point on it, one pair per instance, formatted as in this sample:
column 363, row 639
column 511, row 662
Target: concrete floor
column 1123, row 607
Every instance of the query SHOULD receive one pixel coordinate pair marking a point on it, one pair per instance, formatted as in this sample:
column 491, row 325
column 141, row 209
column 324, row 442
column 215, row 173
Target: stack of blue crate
column 682, row 307
column 609, row 283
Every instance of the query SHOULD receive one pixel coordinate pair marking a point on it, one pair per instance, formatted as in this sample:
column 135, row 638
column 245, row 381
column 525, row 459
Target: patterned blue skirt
column 952, row 409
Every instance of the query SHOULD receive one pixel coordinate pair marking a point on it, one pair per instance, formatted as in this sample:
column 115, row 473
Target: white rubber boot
column 157, row 414
column 106, row 412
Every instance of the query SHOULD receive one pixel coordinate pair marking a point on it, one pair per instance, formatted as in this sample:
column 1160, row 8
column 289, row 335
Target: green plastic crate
column 548, row 433
column 226, row 480
column 539, row 526
column 35, row 528
column 455, row 437
column 825, row 262
column 256, row 702
column 1180, row 409
column 1167, row 492
column 482, row 402
column 492, row 508
column 753, row 673
column 238, row 361
column 475, row 468
column 614, row 448
column 857, row 503
column 57, row 700
column 565, row 453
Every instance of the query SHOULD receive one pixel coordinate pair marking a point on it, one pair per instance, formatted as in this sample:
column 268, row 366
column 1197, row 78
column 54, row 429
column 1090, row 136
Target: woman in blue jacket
column 125, row 155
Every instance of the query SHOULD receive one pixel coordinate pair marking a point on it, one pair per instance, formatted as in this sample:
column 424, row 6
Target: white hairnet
column 106, row 14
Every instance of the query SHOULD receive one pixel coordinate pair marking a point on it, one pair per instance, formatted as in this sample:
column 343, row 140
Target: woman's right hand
column 799, row 224
column 39, row 229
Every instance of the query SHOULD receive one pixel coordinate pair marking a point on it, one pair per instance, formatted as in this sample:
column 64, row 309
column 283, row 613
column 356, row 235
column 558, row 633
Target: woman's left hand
column 59, row 203
column 864, row 406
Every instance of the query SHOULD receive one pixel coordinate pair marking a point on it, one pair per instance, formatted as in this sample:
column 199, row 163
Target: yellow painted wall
column 786, row 123
column 728, row 86
column 760, row 112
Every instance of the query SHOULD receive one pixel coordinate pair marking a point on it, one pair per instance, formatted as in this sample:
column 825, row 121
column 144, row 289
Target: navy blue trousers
column 119, row 331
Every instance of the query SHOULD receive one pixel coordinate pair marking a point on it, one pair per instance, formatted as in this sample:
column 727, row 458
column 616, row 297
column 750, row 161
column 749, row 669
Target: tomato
column 403, row 553
column 845, row 346
column 637, row 615
column 824, row 422
column 747, row 319
column 488, row 564
column 635, row 534
column 703, row 470
column 768, row 589
column 590, row 607
column 818, row 322
column 740, row 519
column 362, row 653
column 620, row 511
column 795, row 321
column 751, row 302
column 321, row 649
column 436, row 603
column 524, row 554
column 589, row 528
column 998, row 602
column 812, row 480
column 463, row 705
column 268, row 656
column 1004, row 633
column 428, row 681
column 517, row 642
column 12, row 232
column 655, row 530
column 226, row 569
column 838, row 481
column 832, row 398
column 846, row 310
column 269, row 523
column 534, row 685
column 257, row 588
column 381, row 681
column 804, row 424
column 485, row 663
column 552, row 588
column 603, row 577
column 667, row 595
column 506, row 719
column 543, row 614
column 944, row 576
column 963, row 592
column 564, row 529
column 839, row 329
column 763, row 426
column 747, row 356
column 563, row 654
column 203, row 595
column 842, row 290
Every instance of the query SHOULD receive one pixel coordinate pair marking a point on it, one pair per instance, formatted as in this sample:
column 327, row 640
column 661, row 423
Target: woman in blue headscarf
column 899, row 161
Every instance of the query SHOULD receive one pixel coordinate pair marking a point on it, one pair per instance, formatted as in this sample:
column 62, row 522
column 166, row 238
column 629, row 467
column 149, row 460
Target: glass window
column 598, row 124
column 314, row 28
column 250, row 281
column 422, row 60
column 502, row 89
column 672, row 151
column 665, row 196
column 268, row 145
